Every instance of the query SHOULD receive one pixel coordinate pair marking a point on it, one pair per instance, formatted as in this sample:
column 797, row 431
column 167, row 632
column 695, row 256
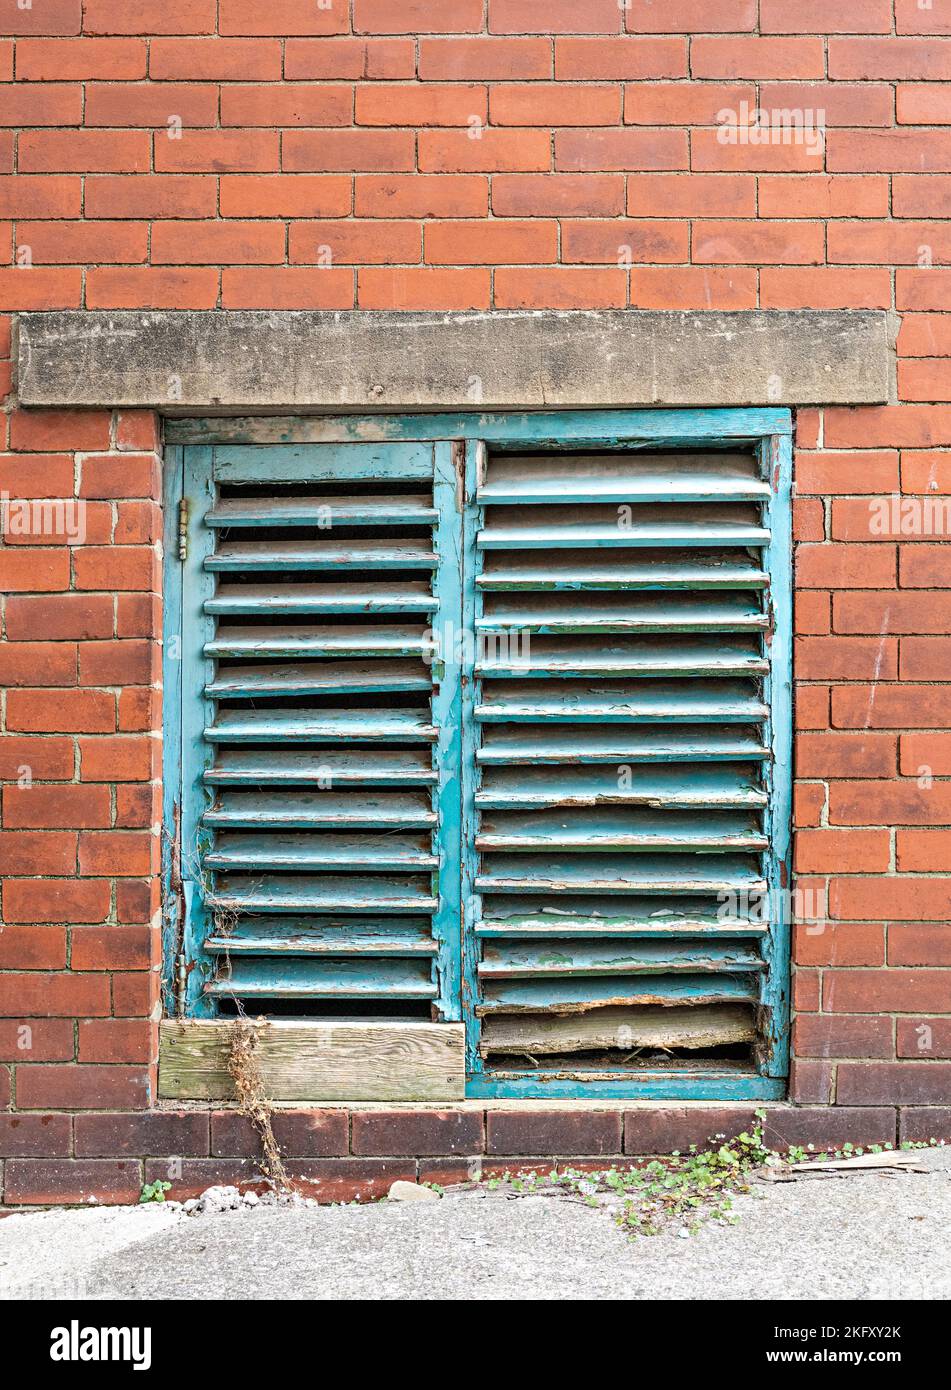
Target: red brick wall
column 454, row 154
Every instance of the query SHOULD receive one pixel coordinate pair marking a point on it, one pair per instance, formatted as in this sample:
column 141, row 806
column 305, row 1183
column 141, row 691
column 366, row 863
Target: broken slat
column 540, row 1035
column 546, row 959
column 568, row 996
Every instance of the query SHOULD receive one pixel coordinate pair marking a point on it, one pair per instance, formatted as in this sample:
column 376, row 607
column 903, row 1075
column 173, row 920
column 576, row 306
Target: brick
column 327, row 151
column 417, row 16
column 325, row 1179
column 924, row 380
column 842, row 851
column 40, row 475
column 921, row 195
column 810, row 1082
column 291, row 287
column 37, row 663
column 864, row 472
column 140, row 17
column 41, row 430
column 667, row 1129
column 895, row 803
column 172, row 110
column 681, row 103
column 900, row 899
column 845, row 1035
column 218, row 243
column 55, row 1181
column 73, row 807
column 691, row 195
column 127, row 854
column 40, row 289
column 422, row 195
column 422, row 287
column 823, row 17
column 819, row 942
column 690, row 16
column 148, row 288
column 921, row 1125
column 846, row 658
column 822, row 195
column 56, row 995
column 926, row 471
column 32, row 947
column 281, row 17
column 558, row 17
column 490, row 243
column 299, row 1134
column 744, row 56
column 923, row 289
column 444, row 151
column 634, row 148
column 41, row 195
column 916, row 945
column 692, row 287
column 891, row 1083
column 215, row 60
column 421, row 104
column 812, row 707
column 887, row 243
column 35, row 1136
column 631, row 59
column 83, row 151
column 421, row 1132
column 36, row 852
column 122, row 759
column 553, row 1132
column 824, row 287
column 925, row 566
column 49, row 17
column 812, row 613
column 52, row 104
column 569, row 287
column 543, row 104
column 59, row 243
column 227, row 151
column 924, row 335
column 828, row 1127
column 182, row 1134
column 64, row 60
column 43, row 759
column 901, row 151
column 924, row 1038
column 110, row 476
column 284, row 195
column 111, row 948
column 925, row 750
column 33, row 569
column 759, row 243
column 108, row 568
column 117, row 1040
column 151, row 196
column 871, row 611
column 615, row 242
column 922, row 104
column 925, row 658
column 294, row 105
column 355, row 243
column 366, row 59
column 486, row 59
column 868, row 59
column 61, row 617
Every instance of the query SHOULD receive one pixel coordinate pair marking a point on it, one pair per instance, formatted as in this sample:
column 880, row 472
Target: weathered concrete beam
column 184, row 363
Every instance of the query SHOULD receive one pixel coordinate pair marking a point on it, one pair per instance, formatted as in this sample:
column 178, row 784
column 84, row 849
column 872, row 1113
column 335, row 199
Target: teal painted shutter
column 321, row 730
column 625, row 727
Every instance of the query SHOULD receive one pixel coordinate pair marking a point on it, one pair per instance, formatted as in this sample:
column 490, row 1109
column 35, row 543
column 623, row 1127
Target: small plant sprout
column 154, row 1191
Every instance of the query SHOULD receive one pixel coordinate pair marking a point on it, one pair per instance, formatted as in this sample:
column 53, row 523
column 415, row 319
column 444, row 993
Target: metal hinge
column 183, row 529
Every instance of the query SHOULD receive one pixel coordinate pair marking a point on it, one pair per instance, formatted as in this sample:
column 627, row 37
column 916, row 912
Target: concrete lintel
column 183, row 363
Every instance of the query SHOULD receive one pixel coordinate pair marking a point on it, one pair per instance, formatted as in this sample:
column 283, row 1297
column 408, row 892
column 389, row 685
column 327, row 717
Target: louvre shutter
column 321, row 747
column 619, row 728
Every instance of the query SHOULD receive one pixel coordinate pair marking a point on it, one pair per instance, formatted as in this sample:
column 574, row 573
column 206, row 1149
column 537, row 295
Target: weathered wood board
column 627, row 1029
column 319, row 1061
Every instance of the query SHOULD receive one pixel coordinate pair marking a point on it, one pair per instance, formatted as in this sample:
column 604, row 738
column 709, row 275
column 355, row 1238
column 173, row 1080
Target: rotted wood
column 627, row 1029
column 343, row 1060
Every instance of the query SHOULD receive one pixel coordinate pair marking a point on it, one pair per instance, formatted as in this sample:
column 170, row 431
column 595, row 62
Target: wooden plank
column 608, row 612
column 568, row 701
column 618, row 1028
column 327, row 767
column 246, row 682
column 350, row 641
column 540, row 960
column 619, row 746
column 319, row 726
column 410, row 596
column 290, row 463
column 568, row 996
column 324, row 810
column 615, row 828
column 308, row 852
column 623, row 477
column 584, row 570
column 369, row 553
column 360, row 977
column 357, row 1060
column 578, row 656
column 717, row 786
column 325, row 937
column 324, row 513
